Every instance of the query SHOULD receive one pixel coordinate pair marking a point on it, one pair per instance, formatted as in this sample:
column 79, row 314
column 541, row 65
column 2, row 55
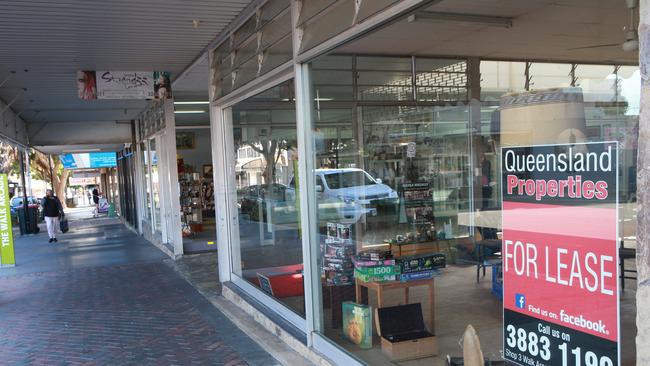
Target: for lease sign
column 560, row 254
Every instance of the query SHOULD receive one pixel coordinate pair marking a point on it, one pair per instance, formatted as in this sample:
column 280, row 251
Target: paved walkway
column 103, row 295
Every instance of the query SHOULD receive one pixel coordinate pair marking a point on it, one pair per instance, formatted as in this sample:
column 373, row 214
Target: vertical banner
column 560, row 254
column 7, row 258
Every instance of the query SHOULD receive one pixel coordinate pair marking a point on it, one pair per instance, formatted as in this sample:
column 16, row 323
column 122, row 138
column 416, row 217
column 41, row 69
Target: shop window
column 598, row 82
column 440, row 80
column 328, row 19
column 501, row 77
column 268, row 247
column 324, row 19
column 384, row 78
column 547, row 75
column 393, row 176
column 277, row 54
column 261, row 44
column 332, row 78
column 424, row 180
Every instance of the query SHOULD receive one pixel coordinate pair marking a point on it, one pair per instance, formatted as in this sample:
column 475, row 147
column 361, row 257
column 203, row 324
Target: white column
column 227, row 229
column 307, row 191
column 225, row 194
column 173, row 204
column 138, row 183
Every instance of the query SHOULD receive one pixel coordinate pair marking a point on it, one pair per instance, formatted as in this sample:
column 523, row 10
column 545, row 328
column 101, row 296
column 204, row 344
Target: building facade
column 343, row 128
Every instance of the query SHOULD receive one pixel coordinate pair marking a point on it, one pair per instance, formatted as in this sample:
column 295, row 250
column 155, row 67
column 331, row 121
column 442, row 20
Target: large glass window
column 267, row 251
column 389, row 176
column 407, row 172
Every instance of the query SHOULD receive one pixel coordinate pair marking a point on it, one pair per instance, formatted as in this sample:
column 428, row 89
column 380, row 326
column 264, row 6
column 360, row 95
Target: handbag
column 63, row 225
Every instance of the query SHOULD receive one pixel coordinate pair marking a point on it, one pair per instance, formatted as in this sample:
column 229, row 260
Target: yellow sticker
column 210, row 243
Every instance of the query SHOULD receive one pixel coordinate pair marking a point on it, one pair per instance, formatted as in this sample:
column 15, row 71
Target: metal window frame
column 223, row 158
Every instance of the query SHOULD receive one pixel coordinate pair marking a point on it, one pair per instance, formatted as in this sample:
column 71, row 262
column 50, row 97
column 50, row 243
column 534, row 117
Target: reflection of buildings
column 250, row 166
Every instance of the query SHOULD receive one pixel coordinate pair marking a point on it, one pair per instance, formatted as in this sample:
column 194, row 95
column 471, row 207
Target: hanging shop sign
column 560, row 254
column 125, row 85
column 7, row 258
column 89, row 160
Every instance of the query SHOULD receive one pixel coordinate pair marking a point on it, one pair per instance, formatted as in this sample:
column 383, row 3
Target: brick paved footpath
column 102, row 296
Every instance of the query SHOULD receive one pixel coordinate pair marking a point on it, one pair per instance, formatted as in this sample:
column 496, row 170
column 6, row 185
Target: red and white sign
column 82, row 181
column 560, row 254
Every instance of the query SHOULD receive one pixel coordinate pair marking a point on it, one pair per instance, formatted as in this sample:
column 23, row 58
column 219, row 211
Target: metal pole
column 28, row 173
column 25, row 204
column 49, row 160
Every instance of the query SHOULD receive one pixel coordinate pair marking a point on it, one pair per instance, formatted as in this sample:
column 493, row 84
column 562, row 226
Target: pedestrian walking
column 96, row 201
column 52, row 211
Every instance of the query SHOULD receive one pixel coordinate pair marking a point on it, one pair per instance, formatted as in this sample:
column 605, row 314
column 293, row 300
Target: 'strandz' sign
column 560, row 254
column 125, row 84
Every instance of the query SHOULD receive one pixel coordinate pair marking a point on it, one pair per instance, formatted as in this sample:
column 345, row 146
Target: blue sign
column 89, row 160
column 520, row 301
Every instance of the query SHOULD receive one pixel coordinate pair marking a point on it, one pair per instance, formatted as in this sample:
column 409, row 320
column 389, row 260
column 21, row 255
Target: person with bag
column 52, row 211
column 96, row 202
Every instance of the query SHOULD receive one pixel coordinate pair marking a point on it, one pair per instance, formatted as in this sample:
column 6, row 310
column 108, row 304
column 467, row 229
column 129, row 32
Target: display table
column 380, row 287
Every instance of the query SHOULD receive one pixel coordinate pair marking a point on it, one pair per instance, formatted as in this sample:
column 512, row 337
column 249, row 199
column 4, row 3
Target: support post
column 25, row 203
column 643, row 193
column 49, row 161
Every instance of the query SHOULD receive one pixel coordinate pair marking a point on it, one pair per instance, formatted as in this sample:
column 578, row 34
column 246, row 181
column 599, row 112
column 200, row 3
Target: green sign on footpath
column 7, row 258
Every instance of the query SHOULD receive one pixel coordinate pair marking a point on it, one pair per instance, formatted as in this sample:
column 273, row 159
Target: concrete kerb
column 284, row 347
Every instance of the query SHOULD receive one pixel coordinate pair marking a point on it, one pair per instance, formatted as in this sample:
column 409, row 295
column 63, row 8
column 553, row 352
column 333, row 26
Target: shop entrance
column 195, row 180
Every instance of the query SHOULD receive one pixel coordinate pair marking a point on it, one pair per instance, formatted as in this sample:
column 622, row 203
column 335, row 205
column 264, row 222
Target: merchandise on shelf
column 338, row 278
column 421, row 275
column 368, row 263
column 190, row 199
column 337, row 252
column 370, row 278
column 423, row 262
column 378, row 270
column 374, row 255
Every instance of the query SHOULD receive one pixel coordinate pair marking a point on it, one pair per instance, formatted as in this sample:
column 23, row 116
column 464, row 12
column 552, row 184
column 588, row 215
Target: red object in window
column 284, row 285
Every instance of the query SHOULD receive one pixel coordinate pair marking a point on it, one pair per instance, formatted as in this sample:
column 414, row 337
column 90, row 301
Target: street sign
column 560, row 254
column 7, row 258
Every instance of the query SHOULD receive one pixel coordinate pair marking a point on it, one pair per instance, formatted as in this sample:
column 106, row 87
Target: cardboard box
column 378, row 270
column 357, row 324
column 425, row 262
column 403, row 334
column 368, row 278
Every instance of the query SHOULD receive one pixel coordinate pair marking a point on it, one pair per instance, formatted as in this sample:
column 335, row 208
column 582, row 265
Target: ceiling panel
column 542, row 30
column 44, row 43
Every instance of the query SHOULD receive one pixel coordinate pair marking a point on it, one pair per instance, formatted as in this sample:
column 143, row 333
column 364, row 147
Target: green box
column 357, row 324
column 369, row 278
column 378, row 270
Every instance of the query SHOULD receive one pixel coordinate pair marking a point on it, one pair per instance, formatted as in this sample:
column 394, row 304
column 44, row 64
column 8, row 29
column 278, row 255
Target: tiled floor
column 103, row 296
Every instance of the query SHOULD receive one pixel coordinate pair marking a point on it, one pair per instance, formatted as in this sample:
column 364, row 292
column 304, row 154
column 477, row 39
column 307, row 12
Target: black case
column 402, row 323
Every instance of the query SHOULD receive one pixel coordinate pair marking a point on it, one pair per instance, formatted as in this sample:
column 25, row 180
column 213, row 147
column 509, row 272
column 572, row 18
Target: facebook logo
column 520, row 301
